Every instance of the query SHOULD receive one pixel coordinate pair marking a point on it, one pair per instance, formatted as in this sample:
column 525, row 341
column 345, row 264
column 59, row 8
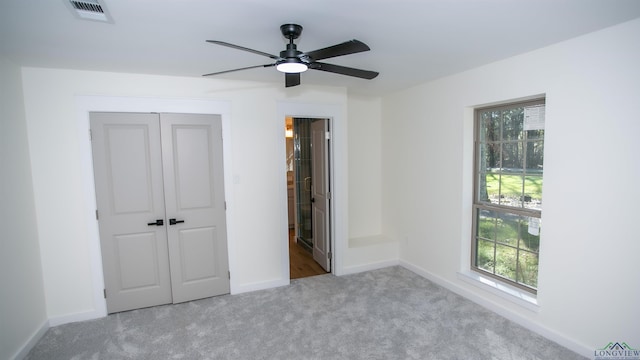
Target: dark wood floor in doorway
column 301, row 263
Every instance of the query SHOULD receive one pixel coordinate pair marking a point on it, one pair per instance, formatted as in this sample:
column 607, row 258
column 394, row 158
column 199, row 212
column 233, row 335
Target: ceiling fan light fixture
column 292, row 62
column 292, row 66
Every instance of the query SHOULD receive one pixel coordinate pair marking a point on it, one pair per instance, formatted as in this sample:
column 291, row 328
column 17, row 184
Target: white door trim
column 87, row 104
column 338, row 177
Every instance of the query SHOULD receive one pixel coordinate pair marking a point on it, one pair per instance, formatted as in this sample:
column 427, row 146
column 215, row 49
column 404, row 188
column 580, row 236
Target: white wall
column 22, row 303
column 365, row 180
column 257, row 146
column 589, row 277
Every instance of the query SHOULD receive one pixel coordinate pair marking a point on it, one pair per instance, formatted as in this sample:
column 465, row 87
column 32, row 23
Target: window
column 509, row 148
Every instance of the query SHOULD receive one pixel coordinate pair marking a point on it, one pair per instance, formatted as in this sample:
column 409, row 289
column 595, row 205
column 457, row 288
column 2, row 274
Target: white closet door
column 160, row 194
column 195, row 205
column 129, row 191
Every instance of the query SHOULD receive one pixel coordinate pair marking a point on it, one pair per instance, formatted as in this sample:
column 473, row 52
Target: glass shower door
column 302, row 171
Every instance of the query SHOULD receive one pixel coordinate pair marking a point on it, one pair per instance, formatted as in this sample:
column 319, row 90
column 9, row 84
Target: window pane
column 512, row 121
column 535, row 134
column 481, row 183
column 486, row 223
column 535, row 152
column 483, row 191
column 529, row 241
column 511, row 189
column 492, row 186
column 528, row 268
column 533, row 192
column 505, row 261
column 491, row 153
column 512, row 157
column 511, row 179
column 490, row 126
column 533, row 180
column 507, row 229
column 489, row 157
column 484, row 255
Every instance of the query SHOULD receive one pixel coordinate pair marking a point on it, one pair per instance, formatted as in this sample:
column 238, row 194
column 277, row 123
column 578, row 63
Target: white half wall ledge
column 370, row 253
column 543, row 331
column 354, row 269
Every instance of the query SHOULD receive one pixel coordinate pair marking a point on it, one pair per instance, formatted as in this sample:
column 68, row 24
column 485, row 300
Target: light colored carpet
column 386, row 314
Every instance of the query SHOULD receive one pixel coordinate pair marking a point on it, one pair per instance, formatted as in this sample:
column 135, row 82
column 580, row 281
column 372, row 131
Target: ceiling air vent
column 89, row 10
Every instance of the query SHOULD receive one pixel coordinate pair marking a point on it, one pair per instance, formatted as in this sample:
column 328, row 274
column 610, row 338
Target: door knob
column 174, row 221
column 158, row 222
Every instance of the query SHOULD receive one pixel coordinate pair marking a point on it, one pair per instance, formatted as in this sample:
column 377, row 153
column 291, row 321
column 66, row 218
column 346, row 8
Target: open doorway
column 309, row 196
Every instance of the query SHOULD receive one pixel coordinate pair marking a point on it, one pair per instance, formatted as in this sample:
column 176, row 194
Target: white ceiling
column 412, row 41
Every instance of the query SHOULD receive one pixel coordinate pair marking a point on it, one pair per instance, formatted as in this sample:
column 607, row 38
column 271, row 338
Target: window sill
column 510, row 293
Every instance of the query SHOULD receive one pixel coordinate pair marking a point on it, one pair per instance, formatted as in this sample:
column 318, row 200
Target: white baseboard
column 70, row 318
column 370, row 266
column 502, row 311
column 31, row 342
column 95, row 314
column 239, row 289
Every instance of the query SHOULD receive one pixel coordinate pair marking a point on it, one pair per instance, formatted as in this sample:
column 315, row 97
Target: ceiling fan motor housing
column 291, row 54
column 291, row 31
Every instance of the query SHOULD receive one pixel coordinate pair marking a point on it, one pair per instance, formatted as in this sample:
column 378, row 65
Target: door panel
column 137, row 263
column 192, row 167
column 196, row 248
column 129, row 195
column 129, row 168
column 194, row 193
column 320, row 190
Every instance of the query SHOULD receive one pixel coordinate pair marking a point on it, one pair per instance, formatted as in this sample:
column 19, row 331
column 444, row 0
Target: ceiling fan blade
column 291, row 79
column 238, row 47
column 343, row 70
column 346, row 48
column 244, row 68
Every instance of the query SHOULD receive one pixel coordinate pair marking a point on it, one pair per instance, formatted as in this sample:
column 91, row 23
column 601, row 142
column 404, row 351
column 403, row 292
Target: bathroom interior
column 298, row 158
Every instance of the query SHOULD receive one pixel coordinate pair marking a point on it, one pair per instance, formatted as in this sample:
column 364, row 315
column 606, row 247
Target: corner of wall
column 31, row 342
